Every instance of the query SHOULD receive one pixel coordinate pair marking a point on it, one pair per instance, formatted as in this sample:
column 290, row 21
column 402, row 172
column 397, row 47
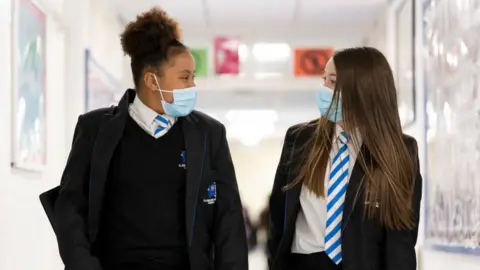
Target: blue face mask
column 184, row 101
column 324, row 99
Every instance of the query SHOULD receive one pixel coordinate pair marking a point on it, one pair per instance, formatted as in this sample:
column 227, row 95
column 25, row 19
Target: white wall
column 377, row 37
column 27, row 239
column 104, row 31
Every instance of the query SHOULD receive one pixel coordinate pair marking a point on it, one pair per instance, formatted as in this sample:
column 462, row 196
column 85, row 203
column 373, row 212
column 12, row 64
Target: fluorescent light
column 271, row 52
column 250, row 141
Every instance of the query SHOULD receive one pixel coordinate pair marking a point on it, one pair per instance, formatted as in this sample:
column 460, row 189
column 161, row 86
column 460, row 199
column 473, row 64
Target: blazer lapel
column 109, row 134
column 195, row 146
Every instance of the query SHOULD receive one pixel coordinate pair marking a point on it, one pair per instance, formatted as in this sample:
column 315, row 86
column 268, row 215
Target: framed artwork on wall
column 201, row 61
column 452, row 94
column 226, row 55
column 28, row 87
column 101, row 88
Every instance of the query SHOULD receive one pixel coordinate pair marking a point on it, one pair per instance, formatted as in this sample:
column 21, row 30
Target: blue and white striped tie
column 337, row 187
column 162, row 124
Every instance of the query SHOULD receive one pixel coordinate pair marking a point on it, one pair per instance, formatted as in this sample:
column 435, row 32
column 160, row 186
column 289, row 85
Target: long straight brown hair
column 369, row 108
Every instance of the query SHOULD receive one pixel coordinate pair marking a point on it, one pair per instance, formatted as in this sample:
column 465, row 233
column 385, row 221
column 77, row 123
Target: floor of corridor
column 257, row 259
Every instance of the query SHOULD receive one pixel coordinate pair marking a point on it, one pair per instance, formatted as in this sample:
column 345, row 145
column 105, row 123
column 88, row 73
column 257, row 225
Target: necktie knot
column 343, row 137
column 161, row 123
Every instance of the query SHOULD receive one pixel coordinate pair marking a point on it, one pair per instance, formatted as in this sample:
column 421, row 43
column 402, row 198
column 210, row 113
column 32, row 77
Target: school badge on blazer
column 183, row 164
column 211, row 194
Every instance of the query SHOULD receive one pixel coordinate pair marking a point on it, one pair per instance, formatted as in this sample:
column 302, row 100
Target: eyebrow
column 186, row 71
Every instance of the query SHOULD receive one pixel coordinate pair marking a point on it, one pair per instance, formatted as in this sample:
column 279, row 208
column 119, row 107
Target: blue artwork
column 29, row 125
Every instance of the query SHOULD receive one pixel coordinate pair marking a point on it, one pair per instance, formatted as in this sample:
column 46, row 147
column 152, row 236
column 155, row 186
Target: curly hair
column 151, row 39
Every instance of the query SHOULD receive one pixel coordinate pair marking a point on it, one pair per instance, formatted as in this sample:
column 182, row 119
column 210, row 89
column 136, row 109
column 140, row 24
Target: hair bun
column 151, row 32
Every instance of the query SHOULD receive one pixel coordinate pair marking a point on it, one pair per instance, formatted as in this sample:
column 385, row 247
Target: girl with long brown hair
column 347, row 189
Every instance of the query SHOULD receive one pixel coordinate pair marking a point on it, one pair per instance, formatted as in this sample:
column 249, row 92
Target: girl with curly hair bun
column 150, row 184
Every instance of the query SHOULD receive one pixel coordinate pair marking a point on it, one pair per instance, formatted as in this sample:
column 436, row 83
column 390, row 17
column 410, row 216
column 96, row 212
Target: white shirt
column 145, row 118
column 311, row 221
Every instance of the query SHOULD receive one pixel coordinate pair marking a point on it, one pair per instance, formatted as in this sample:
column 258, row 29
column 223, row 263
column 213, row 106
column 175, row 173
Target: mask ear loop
column 158, row 86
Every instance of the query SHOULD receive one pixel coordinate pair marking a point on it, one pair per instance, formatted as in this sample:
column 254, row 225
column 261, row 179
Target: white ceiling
column 216, row 13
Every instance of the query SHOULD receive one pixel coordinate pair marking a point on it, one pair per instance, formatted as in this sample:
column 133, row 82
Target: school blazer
column 366, row 245
column 215, row 231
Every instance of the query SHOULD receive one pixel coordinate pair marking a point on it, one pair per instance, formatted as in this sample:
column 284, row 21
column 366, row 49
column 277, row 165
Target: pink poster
column 226, row 55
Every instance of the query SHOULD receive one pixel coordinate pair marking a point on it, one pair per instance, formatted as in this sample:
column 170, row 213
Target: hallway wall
column 27, row 240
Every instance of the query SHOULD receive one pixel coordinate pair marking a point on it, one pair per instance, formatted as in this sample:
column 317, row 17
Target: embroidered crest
column 211, row 194
column 183, row 165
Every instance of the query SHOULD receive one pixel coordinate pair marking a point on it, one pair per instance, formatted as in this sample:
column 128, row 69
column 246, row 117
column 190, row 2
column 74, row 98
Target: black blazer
column 215, row 232
column 366, row 245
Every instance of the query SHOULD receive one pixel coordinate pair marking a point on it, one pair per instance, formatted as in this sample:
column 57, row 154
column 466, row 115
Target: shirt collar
column 148, row 115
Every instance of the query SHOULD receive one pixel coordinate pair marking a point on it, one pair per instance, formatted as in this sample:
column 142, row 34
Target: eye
column 184, row 78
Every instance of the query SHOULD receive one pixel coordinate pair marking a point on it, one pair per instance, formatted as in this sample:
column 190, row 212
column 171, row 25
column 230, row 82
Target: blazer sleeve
column 230, row 240
column 400, row 244
column 72, row 204
column 277, row 202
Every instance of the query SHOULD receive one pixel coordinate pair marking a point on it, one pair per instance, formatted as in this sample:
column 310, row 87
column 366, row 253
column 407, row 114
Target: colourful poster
column 311, row 62
column 227, row 60
column 201, row 61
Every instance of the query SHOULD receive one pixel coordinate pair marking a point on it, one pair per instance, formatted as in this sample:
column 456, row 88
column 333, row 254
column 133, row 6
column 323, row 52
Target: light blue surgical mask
column 324, row 99
column 184, row 101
